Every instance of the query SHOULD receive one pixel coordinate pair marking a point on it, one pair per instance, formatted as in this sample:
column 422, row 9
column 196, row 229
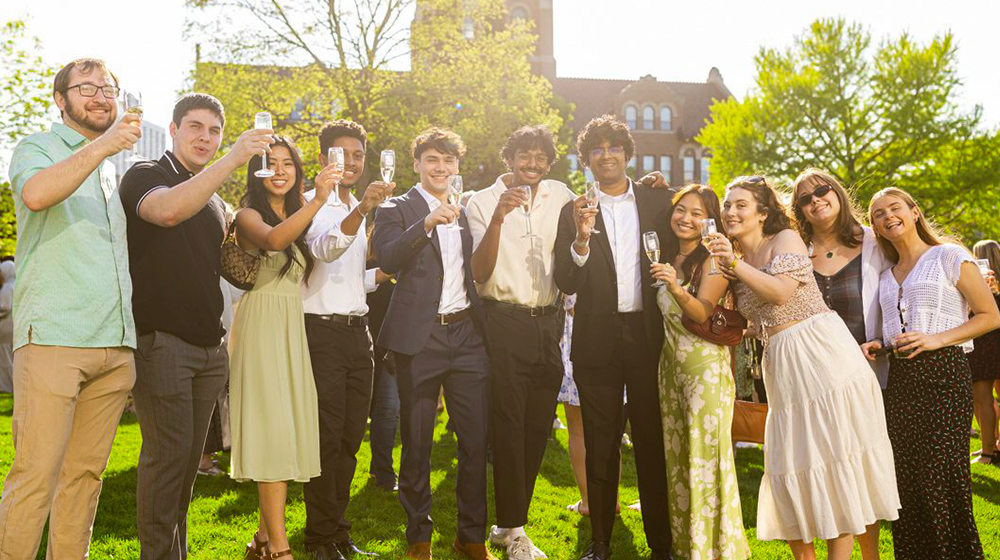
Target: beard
column 79, row 115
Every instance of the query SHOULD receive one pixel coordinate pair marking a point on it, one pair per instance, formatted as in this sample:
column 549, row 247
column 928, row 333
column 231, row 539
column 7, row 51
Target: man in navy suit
column 435, row 328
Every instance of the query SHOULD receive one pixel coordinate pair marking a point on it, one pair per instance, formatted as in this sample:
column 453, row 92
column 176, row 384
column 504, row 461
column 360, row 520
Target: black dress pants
column 342, row 365
column 601, row 394
column 526, row 370
column 454, row 357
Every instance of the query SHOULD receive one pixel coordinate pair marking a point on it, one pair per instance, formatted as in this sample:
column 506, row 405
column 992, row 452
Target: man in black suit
column 434, row 326
column 617, row 330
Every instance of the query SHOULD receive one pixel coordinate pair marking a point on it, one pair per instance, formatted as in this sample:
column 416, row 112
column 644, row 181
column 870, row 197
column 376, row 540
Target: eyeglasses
column 612, row 150
column 807, row 198
column 90, row 90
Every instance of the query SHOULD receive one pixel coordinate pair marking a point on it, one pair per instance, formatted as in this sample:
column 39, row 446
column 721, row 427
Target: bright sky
column 673, row 40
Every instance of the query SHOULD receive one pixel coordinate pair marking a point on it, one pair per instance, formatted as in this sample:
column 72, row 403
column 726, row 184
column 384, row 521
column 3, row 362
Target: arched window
column 647, row 118
column 518, row 12
column 666, row 118
column 688, row 166
column 631, row 116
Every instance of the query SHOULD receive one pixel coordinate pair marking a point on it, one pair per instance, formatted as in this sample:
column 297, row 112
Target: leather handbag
column 237, row 266
column 724, row 326
column 749, row 419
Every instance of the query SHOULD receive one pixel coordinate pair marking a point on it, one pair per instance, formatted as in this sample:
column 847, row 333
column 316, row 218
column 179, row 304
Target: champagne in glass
column 651, row 243
column 525, row 209
column 455, row 197
column 593, row 196
column 335, row 157
column 388, row 162
column 707, row 231
column 132, row 104
column 262, row 121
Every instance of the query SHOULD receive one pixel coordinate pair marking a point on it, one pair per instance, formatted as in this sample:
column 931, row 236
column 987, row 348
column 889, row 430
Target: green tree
column 313, row 61
column 25, row 102
column 873, row 115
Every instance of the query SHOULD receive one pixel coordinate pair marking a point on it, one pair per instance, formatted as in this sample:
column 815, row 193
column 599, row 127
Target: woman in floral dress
column 696, row 395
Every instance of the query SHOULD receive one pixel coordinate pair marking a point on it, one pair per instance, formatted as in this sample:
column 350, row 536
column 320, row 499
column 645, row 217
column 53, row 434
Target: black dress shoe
column 387, row 486
column 661, row 556
column 597, row 551
column 348, row 549
column 328, row 552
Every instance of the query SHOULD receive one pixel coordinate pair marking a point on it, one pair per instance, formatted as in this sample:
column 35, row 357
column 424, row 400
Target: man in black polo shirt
column 176, row 225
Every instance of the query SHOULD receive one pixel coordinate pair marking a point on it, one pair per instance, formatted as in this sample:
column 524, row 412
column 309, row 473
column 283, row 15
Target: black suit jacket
column 596, row 318
column 403, row 248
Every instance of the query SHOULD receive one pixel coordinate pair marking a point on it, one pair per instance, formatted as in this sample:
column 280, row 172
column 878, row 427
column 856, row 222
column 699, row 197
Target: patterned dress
column 696, row 403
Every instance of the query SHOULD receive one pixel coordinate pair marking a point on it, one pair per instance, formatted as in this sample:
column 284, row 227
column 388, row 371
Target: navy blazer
column 403, row 248
column 595, row 317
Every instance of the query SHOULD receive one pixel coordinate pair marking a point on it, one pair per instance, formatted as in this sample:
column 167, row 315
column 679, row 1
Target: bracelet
column 733, row 264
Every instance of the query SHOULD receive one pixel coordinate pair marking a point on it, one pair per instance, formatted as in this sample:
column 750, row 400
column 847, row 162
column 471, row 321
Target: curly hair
column 604, row 128
column 339, row 128
column 778, row 218
column 848, row 224
column 440, row 139
column 527, row 137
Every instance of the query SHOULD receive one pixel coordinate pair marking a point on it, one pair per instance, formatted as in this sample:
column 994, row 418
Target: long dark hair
column 712, row 211
column 256, row 197
column 848, row 224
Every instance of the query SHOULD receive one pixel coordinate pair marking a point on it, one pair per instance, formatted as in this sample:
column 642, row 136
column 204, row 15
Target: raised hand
column 509, row 200
column 444, row 214
column 584, row 218
column 375, row 194
column 122, row 135
column 254, row 142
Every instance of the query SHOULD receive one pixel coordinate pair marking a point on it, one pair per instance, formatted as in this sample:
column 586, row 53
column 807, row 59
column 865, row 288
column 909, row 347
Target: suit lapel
column 421, row 209
column 603, row 241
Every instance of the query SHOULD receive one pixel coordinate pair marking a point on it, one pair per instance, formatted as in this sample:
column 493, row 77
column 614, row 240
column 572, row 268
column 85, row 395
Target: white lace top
column 931, row 302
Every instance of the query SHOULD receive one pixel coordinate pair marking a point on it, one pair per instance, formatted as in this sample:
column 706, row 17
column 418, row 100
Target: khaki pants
column 67, row 404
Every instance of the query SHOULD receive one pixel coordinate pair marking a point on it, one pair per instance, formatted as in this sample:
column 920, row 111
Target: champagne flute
column 132, row 104
column 388, row 162
column 593, row 193
column 651, row 243
column 525, row 210
column 707, row 231
column 262, row 121
column 984, row 266
column 455, row 197
column 335, row 157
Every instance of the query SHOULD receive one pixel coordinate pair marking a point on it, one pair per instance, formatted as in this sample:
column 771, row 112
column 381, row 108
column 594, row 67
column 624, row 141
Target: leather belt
column 349, row 320
column 449, row 318
column 530, row 311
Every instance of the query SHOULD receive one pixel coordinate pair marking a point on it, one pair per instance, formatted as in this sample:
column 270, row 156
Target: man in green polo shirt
column 73, row 327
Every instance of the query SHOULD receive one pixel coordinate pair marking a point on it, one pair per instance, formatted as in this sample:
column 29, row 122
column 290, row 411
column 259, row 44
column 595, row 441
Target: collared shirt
column 524, row 269
column 453, row 295
column 338, row 282
column 621, row 226
column 175, row 270
column 73, row 285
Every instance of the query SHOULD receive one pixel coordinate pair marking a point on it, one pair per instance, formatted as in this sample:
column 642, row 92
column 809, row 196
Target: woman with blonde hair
column 926, row 298
column 828, row 464
column 984, row 361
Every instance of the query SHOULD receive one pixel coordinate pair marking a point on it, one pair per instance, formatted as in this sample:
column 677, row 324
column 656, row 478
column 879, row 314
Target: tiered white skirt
column 828, row 465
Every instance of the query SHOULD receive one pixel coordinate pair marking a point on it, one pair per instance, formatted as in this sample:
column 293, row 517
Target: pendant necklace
column 812, row 251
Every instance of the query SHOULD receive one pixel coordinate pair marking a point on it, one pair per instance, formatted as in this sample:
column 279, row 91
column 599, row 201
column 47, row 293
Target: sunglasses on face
column 807, row 198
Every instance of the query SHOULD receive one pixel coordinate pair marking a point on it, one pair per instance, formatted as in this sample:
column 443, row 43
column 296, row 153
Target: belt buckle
column 535, row 311
column 353, row 320
column 442, row 319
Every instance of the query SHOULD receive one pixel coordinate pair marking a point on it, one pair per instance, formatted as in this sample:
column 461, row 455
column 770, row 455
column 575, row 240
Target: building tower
column 540, row 11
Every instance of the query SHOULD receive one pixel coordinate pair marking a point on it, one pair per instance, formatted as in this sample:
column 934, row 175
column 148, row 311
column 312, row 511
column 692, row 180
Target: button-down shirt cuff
column 579, row 259
column 330, row 245
column 370, row 284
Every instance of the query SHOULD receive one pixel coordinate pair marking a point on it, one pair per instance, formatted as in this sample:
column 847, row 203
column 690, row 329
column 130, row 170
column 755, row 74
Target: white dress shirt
column 453, row 295
column 524, row 272
column 338, row 282
column 621, row 226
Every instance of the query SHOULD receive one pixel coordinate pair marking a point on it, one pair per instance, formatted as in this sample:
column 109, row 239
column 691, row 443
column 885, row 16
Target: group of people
column 866, row 331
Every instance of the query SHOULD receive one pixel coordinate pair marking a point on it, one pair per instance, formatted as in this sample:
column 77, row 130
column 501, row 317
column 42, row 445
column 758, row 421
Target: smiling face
column 529, row 167
column 740, row 214
column 686, row 219
column 821, row 211
column 280, row 161
column 607, row 163
column 196, row 138
column 354, row 159
column 95, row 114
column 892, row 218
column 434, row 168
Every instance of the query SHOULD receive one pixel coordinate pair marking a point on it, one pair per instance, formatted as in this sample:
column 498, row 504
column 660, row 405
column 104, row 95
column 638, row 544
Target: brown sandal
column 280, row 554
column 257, row 550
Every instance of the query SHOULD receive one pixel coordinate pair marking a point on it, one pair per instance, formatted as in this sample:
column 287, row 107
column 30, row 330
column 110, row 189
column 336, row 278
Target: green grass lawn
column 223, row 514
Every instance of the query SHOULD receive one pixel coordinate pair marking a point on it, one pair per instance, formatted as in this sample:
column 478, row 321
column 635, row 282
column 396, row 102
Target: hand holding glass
column 593, row 193
column 651, row 243
column 707, row 232
column 455, row 197
column 262, row 121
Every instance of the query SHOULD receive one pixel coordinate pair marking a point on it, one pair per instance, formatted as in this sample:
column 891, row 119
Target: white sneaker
column 500, row 538
column 521, row 548
column 558, row 425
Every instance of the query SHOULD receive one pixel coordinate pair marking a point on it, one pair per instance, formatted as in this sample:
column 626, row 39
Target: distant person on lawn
column 73, row 329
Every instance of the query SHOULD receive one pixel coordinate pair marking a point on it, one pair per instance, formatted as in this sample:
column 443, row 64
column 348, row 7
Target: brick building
column 665, row 117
